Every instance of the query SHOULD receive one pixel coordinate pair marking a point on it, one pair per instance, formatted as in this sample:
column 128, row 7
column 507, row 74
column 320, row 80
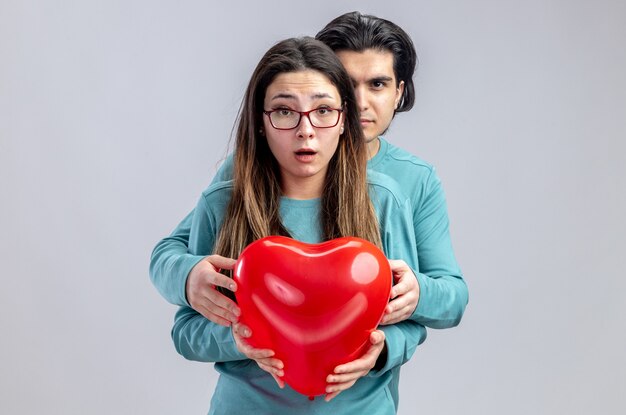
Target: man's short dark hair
column 357, row 32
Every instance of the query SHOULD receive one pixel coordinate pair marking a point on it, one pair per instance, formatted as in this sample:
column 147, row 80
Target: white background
column 115, row 114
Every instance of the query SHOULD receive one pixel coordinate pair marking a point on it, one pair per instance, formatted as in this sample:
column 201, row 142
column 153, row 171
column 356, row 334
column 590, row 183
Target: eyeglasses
column 287, row 119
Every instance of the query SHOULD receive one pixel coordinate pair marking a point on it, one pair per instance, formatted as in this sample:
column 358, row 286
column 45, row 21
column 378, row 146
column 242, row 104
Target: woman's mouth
column 305, row 155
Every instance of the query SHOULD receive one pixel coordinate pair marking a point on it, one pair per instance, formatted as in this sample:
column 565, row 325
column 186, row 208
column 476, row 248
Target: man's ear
column 399, row 92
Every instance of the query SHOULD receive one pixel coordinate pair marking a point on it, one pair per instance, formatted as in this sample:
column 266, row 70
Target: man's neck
column 372, row 148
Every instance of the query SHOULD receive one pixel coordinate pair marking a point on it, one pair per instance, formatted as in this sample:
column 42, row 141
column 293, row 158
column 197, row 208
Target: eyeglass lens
column 320, row 117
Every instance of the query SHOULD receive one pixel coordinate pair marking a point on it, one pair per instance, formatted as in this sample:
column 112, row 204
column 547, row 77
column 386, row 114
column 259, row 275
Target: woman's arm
column 390, row 347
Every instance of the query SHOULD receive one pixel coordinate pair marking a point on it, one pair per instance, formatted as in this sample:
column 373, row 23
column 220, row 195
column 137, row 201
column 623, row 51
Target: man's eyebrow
column 379, row 78
column 382, row 78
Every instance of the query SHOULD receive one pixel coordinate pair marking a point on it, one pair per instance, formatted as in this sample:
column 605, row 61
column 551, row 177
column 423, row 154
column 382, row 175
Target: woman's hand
column 347, row 374
column 263, row 357
column 404, row 294
column 202, row 293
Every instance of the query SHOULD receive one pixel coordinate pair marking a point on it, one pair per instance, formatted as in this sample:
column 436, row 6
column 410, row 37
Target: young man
column 380, row 58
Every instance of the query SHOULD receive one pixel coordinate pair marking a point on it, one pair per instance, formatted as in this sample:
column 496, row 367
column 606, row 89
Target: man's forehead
column 370, row 64
column 373, row 55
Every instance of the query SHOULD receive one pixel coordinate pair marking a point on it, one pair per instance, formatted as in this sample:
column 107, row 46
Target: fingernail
column 231, row 287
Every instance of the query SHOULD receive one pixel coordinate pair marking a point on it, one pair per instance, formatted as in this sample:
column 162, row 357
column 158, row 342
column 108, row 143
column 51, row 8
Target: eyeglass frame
column 301, row 113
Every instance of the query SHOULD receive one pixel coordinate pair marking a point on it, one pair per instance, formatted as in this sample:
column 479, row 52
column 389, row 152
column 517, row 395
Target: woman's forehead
column 306, row 83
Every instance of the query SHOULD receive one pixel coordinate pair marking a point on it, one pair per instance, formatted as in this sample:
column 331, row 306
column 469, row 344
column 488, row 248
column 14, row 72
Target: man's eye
column 378, row 84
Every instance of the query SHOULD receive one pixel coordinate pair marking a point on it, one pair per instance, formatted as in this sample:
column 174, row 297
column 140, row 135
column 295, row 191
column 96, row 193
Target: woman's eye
column 322, row 111
column 284, row 112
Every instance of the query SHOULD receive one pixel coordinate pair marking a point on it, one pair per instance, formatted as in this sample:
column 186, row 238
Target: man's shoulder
column 385, row 187
column 411, row 172
column 400, row 158
column 218, row 192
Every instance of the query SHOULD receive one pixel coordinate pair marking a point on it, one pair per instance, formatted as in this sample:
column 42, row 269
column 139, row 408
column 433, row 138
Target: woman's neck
column 303, row 188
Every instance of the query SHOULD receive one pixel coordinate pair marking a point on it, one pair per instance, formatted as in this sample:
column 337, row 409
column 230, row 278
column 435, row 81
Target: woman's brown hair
column 253, row 211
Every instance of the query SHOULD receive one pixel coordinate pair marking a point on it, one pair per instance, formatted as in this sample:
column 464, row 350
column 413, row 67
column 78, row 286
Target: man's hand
column 404, row 294
column 347, row 374
column 263, row 357
column 202, row 293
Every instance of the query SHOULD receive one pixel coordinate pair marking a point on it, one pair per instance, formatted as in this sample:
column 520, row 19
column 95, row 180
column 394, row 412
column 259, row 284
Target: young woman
column 300, row 171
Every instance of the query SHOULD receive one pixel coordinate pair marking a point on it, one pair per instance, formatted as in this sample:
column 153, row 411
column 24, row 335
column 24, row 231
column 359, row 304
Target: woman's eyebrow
column 283, row 95
column 286, row 95
column 321, row 95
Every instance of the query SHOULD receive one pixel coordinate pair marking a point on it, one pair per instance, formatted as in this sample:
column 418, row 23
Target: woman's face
column 303, row 153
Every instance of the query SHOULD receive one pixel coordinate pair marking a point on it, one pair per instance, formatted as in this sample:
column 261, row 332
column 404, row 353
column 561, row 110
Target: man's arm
column 432, row 291
column 443, row 294
column 170, row 263
column 185, row 279
column 196, row 338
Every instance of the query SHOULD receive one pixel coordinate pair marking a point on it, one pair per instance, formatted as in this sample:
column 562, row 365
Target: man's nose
column 362, row 100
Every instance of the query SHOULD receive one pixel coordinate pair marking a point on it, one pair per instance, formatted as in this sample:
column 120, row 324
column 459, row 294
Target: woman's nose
column 305, row 128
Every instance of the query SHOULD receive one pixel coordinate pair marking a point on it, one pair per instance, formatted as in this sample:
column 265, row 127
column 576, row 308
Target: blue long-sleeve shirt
column 243, row 387
column 443, row 292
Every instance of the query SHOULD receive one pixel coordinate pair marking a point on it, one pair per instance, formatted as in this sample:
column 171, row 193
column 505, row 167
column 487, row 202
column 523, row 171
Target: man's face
column 375, row 87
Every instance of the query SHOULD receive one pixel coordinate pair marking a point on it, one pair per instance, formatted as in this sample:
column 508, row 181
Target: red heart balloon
column 315, row 305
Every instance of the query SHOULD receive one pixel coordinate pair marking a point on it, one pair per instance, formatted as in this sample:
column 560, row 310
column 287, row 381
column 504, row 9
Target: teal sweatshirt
column 244, row 388
column 443, row 292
